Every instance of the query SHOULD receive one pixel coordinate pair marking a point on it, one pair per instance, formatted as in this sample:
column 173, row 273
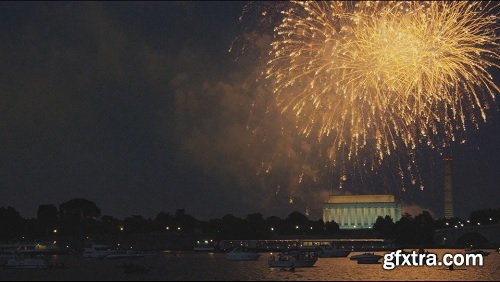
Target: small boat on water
column 4, row 258
column 7, row 252
column 98, row 251
column 39, row 249
column 242, row 254
column 204, row 249
column 366, row 258
column 331, row 252
column 124, row 255
column 293, row 259
column 204, row 246
column 8, row 248
column 108, row 252
column 27, row 263
column 31, row 249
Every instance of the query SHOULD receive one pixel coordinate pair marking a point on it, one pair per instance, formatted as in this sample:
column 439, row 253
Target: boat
column 35, row 249
column 477, row 252
column 242, row 254
column 7, row 252
column 8, row 248
column 204, row 249
column 98, row 251
column 204, row 246
column 293, row 259
column 30, row 249
column 27, row 263
column 328, row 251
column 124, row 255
column 366, row 258
column 4, row 258
column 356, row 257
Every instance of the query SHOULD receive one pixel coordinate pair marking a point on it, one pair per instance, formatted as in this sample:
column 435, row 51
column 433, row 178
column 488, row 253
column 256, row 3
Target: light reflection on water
column 203, row 266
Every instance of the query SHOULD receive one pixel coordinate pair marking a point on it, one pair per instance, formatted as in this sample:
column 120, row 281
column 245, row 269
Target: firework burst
column 371, row 79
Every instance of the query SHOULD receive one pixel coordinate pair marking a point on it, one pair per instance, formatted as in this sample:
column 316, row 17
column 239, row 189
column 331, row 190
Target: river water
column 209, row 266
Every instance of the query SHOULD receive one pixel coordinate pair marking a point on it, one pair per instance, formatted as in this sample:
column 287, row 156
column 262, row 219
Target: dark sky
column 141, row 108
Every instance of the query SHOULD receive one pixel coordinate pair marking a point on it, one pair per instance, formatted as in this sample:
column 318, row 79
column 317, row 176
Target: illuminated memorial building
column 360, row 211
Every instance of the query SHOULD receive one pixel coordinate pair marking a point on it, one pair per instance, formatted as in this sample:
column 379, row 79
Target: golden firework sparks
column 373, row 78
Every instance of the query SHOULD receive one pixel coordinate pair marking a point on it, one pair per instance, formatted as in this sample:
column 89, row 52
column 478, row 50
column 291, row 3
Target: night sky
column 140, row 108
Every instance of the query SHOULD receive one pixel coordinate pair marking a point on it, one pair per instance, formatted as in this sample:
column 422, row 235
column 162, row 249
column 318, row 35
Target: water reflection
column 214, row 266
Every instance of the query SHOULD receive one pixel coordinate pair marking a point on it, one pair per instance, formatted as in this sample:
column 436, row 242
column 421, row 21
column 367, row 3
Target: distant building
column 448, row 188
column 360, row 211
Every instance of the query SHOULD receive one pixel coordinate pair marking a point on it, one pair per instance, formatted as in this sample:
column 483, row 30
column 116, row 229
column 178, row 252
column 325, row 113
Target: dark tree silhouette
column 78, row 209
column 488, row 216
column 331, row 227
column 297, row 223
column 47, row 218
column 11, row 224
column 275, row 223
column 47, row 214
column 384, row 226
column 233, row 228
column 78, row 219
column 424, row 224
column 184, row 222
column 137, row 224
column 255, row 225
column 164, row 221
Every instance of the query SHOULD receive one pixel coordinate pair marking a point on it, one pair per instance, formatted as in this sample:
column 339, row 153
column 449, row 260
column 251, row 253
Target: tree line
column 80, row 218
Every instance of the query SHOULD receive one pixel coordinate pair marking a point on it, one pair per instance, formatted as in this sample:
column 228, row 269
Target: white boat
column 366, row 258
column 29, row 249
column 330, row 252
column 33, row 249
column 98, row 251
column 242, row 254
column 293, row 259
column 27, row 263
